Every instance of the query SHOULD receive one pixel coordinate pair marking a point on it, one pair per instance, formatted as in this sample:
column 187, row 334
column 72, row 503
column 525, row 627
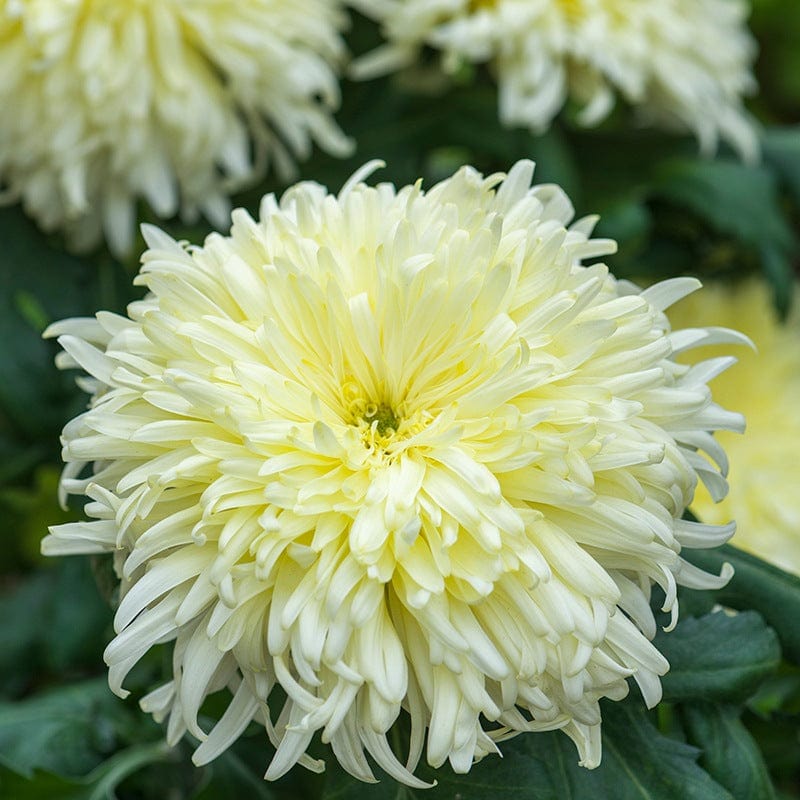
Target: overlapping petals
column 396, row 452
column 176, row 102
column 683, row 64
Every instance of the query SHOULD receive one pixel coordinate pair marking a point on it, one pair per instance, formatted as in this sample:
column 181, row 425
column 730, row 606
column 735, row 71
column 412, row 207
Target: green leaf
column 100, row 784
column 40, row 283
column 41, row 634
column 341, row 786
column 782, row 151
column 29, row 510
column 779, row 692
column 776, row 738
column 740, row 201
column 639, row 763
column 630, row 224
column 779, row 272
column 608, row 174
column 730, row 755
column 735, row 198
column 66, row 731
column 239, row 771
column 760, row 586
column 718, row 657
column 231, row 777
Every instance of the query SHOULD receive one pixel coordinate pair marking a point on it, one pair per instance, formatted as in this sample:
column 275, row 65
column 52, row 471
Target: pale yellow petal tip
column 726, row 573
column 360, row 175
column 47, row 546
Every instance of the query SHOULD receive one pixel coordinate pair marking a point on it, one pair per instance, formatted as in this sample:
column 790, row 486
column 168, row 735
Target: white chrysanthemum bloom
column 393, row 450
column 684, row 64
column 177, row 102
column 765, row 386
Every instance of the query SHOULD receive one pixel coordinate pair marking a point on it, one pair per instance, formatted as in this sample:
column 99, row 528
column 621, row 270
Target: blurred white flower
column 393, row 449
column 177, row 102
column 684, row 64
column 765, row 386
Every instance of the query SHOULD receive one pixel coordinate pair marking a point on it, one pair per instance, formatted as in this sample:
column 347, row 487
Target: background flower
column 765, row 387
column 393, row 450
column 682, row 63
column 176, row 102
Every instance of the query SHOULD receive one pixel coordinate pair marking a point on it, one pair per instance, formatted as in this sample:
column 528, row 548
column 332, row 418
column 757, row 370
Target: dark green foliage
column 639, row 763
column 729, row 753
column 703, row 664
column 67, row 730
column 757, row 585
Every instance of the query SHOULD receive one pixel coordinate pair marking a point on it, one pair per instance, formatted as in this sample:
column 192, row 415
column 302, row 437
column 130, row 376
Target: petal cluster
column 393, row 453
column 176, row 102
column 765, row 386
column 684, row 64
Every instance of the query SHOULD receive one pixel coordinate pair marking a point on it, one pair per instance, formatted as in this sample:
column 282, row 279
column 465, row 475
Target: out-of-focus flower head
column 393, row 450
column 177, row 102
column 684, row 64
column 765, row 387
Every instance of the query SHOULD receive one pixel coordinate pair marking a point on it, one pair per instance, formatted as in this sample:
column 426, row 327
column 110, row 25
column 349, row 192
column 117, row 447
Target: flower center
column 378, row 422
column 384, row 417
column 386, row 427
column 379, row 426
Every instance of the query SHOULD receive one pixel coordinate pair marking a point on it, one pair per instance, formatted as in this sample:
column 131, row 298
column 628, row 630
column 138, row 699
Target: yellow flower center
column 385, row 427
column 383, row 417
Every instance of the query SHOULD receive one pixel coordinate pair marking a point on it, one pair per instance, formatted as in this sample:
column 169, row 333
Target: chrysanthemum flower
column 393, row 451
column 765, row 386
column 176, row 102
column 684, row 64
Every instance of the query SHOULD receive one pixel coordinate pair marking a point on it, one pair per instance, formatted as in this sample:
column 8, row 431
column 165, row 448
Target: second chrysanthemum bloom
column 176, row 102
column 765, row 385
column 682, row 63
column 393, row 451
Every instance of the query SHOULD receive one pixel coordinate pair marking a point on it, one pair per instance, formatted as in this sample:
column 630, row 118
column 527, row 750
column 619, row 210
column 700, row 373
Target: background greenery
column 730, row 723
